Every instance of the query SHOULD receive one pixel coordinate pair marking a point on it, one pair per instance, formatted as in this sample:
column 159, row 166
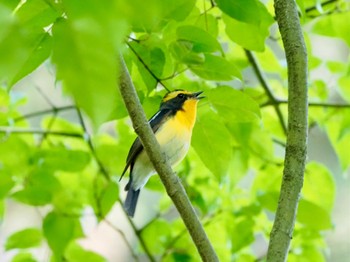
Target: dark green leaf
column 215, row 68
column 30, row 237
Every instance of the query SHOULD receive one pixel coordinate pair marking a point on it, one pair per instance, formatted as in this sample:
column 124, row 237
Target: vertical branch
column 296, row 147
column 171, row 182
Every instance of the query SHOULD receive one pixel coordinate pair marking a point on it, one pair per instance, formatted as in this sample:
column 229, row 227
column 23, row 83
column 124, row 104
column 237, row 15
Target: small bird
column 172, row 126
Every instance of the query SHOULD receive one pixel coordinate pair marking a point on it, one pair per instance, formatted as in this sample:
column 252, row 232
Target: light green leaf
column 59, row 231
column 233, row 105
column 210, row 135
column 335, row 25
column 182, row 51
column 215, row 68
column 75, row 253
column 320, row 218
column 202, row 40
column 242, row 234
column 30, row 237
column 319, row 186
column 153, row 58
column 157, row 228
column 62, row 159
column 109, row 196
column 40, row 188
column 242, row 10
column 250, row 36
column 39, row 53
column 6, row 182
column 86, row 49
column 23, row 257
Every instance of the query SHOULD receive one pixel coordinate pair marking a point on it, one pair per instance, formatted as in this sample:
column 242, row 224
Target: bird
column 172, row 125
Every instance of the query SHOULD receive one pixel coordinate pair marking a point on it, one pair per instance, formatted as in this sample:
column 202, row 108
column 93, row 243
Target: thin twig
column 91, row 146
column 31, row 131
column 121, row 233
column 158, row 80
column 138, row 235
column 311, row 104
column 314, row 7
column 262, row 79
column 43, row 112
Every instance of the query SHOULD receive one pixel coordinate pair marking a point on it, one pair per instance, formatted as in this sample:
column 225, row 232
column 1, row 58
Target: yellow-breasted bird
column 172, row 126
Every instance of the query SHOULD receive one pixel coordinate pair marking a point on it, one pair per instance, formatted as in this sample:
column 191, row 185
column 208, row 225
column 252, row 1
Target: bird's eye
column 181, row 96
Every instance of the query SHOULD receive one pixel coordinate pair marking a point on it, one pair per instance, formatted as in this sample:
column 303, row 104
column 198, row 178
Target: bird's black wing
column 136, row 148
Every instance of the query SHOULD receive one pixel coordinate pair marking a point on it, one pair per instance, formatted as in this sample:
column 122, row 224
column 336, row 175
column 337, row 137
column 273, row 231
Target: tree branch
column 310, row 104
column 262, row 79
column 296, row 147
column 171, row 182
column 31, row 131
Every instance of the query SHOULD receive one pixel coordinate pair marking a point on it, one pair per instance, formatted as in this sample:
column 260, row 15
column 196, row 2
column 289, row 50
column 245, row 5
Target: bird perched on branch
column 172, row 126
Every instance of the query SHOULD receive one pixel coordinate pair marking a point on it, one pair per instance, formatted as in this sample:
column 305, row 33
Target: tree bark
column 296, row 147
column 170, row 180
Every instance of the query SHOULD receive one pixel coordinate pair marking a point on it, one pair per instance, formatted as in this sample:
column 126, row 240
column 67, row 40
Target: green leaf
column 182, row 51
column 319, row 186
column 62, row 159
column 39, row 53
column 75, row 253
column 23, row 257
column 210, row 135
column 38, row 13
column 159, row 227
column 153, row 58
column 6, row 182
column 215, row 68
column 59, row 230
column 247, row 11
column 313, row 216
column 242, row 234
column 250, row 36
column 39, row 189
column 30, row 237
column 202, row 40
column 86, row 47
column 335, row 25
column 108, row 198
column 233, row 105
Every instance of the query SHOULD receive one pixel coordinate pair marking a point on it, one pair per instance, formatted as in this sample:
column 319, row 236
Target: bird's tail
column 131, row 201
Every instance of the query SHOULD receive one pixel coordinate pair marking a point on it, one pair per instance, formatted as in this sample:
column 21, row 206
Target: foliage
column 233, row 170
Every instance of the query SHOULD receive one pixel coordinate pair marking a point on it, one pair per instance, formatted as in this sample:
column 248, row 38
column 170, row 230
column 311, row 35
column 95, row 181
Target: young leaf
column 30, row 237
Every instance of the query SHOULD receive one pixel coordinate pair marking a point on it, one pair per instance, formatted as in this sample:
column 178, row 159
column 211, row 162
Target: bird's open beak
column 197, row 95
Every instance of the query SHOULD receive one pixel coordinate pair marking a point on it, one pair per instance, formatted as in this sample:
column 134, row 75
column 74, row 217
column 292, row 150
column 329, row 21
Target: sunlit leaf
column 26, row 238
